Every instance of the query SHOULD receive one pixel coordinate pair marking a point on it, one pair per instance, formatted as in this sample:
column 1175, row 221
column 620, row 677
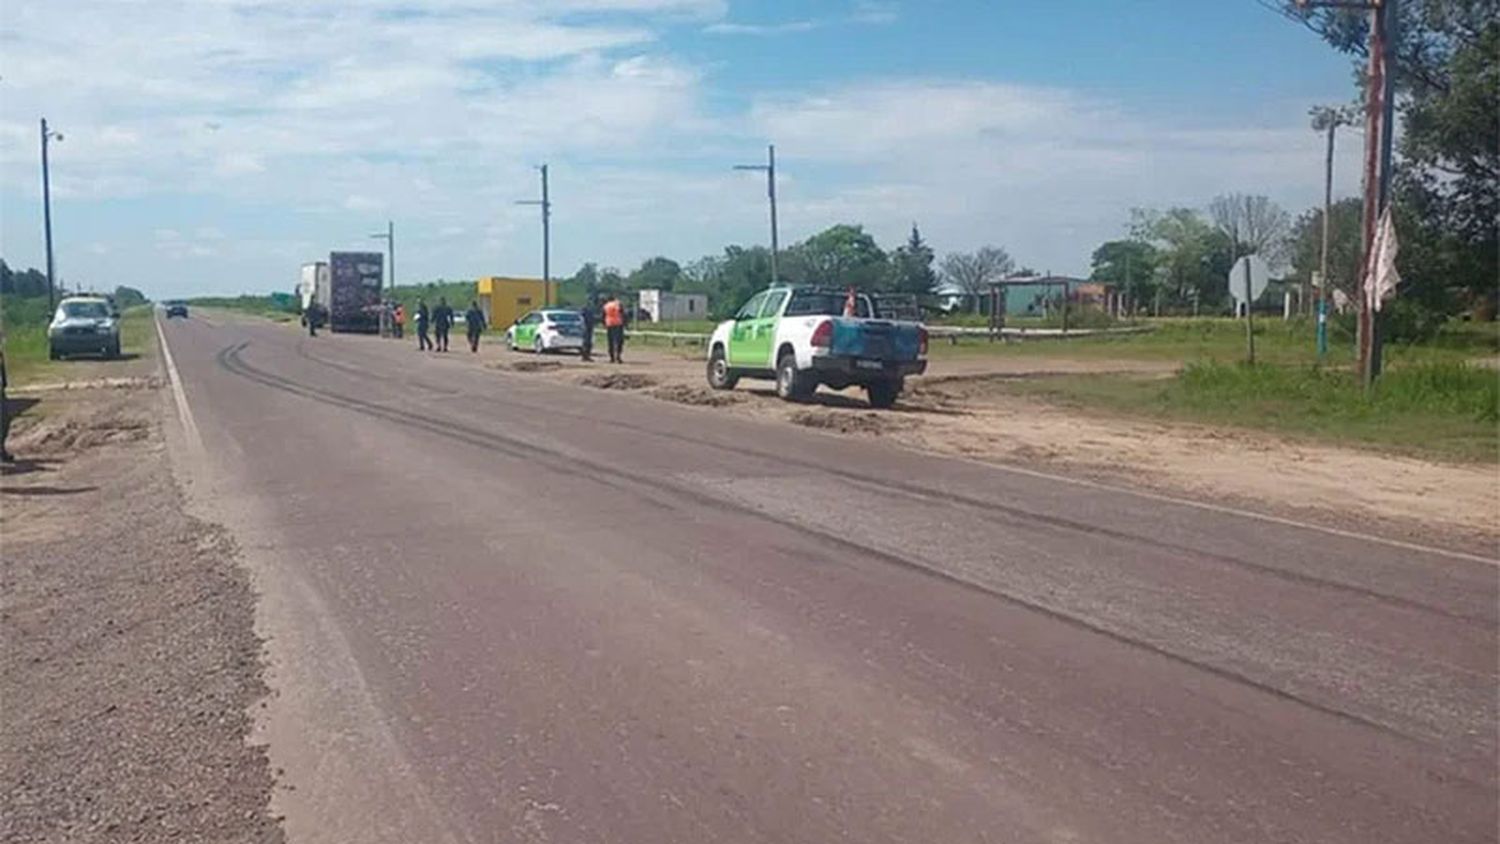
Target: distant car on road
column 83, row 325
column 546, row 330
column 177, row 309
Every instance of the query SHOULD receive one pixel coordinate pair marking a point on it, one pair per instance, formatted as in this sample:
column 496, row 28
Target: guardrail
column 953, row 333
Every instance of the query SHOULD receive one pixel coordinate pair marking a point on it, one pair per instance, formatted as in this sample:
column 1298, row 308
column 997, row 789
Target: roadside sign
column 1251, row 269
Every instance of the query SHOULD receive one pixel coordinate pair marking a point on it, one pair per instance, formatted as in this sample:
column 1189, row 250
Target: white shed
column 663, row 305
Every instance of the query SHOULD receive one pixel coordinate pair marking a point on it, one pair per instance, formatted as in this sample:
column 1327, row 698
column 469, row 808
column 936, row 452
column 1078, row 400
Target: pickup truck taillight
column 822, row 336
column 922, row 341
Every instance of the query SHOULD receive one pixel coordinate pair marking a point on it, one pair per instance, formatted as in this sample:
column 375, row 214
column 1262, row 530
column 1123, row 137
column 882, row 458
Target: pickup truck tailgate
column 875, row 339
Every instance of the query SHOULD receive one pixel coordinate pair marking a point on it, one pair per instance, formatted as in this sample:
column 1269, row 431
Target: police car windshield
column 564, row 316
column 95, row 310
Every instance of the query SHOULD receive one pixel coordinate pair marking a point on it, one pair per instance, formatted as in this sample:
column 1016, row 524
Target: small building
column 505, row 300
column 664, row 305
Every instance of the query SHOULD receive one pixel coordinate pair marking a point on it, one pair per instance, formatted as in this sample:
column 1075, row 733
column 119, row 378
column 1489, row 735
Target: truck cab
column 800, row 336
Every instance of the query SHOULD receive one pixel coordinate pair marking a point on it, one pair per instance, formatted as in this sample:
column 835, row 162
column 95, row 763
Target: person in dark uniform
column 312, row 316
column 442, row 321
column 474, row 322
column 5, row 456
column 587, row 311
column 423, row 341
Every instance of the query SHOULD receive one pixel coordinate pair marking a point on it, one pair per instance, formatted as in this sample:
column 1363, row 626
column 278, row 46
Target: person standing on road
column 442, row 322
column 614, row 326
column 398, row 317
column 424, row 343
column 587, row 312
column 474, row 322
column 311, row 316
column 5, row 456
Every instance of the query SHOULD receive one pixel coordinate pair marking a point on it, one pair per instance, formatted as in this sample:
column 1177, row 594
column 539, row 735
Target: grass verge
column 1444, row 410
column 26, row 359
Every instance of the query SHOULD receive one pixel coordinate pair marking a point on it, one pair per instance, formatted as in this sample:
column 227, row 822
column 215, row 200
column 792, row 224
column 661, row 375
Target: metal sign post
column 1249, row 317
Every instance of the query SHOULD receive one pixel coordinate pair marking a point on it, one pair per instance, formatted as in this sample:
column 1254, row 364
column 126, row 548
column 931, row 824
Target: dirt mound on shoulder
column 847, row 422
column 532, row 365
column 700, row 396
column 59, row 436
column 618, row 381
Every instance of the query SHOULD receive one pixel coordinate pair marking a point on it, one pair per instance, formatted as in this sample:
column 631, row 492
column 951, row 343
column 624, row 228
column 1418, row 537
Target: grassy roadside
column 1443, row 410
column 26, row 348
column 1291, row 342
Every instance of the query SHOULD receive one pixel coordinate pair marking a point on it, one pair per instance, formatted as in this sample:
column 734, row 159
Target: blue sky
column 213, row 146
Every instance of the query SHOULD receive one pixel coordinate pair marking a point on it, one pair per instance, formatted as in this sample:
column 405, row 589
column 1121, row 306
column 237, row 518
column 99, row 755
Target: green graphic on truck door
column 755, row 330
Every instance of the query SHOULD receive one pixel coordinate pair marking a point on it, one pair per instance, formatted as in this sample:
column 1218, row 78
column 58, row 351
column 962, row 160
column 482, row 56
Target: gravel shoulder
column 961, row 409
column 129, row 665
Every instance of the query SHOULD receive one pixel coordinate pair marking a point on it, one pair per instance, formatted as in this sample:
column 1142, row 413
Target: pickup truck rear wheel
column 720, row 376
column 792, row 384
column 883, row 393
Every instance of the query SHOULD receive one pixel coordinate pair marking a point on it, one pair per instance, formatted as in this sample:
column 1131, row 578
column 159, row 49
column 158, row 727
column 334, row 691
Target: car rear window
column 564, row 316
column 823, row 303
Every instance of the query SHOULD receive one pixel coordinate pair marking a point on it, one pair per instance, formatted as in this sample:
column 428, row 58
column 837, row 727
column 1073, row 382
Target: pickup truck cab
column 799, row 336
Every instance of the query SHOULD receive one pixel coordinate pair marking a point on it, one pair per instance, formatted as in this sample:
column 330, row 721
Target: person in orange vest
column 614, row 326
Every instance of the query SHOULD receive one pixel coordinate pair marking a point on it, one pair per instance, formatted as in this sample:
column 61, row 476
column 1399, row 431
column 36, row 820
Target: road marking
column 184, row 411
column 1248, row 514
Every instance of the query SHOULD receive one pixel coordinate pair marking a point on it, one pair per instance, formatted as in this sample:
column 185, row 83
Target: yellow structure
column 505, row 300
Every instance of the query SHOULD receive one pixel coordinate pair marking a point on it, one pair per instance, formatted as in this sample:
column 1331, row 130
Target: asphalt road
column 502, row 609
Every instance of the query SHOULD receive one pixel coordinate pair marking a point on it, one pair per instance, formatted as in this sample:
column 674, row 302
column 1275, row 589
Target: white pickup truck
column 800, row 337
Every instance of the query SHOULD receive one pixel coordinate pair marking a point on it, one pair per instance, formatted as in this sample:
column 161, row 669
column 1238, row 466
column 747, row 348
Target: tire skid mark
column 230, row 360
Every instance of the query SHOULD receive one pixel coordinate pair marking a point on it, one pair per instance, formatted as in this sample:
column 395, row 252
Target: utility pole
column 1380, row 103
column 389, row 236
column 546, row 203
column 770, row 170
column 48, row 135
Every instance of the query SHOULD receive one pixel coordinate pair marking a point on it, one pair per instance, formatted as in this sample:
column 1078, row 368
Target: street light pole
column 546, row 203
column 48, row 135
column 770, row 170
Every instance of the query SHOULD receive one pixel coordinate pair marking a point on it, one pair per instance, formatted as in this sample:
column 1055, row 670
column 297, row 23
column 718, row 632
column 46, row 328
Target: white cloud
column 307, row 122
column 726, row 28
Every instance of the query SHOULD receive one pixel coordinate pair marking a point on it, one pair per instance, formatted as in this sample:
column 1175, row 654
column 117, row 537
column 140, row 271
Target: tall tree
column 840, row 255
column 1193, row 257
column 1448, row 172
column 1344, row 246
column 655, row 274
column 971, row 273
column 129, row 297
column 911, row 265
column 1129, row 265
column 1254, row 225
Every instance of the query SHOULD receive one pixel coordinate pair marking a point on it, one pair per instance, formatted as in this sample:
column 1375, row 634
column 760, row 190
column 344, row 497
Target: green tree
column 655, row 274
column 1129, row 265
column 1193, row 257
column 842, row 255
column 1344, row 235
column 743, row 272
column 911, row 265
column 1448, row 173
column 129, row 297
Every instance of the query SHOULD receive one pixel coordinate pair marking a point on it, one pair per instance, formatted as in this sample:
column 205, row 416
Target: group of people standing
column 440, row 320
column 433, row 325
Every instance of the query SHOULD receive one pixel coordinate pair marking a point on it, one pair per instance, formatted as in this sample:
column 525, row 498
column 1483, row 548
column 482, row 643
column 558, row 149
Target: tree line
column 31, row 282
